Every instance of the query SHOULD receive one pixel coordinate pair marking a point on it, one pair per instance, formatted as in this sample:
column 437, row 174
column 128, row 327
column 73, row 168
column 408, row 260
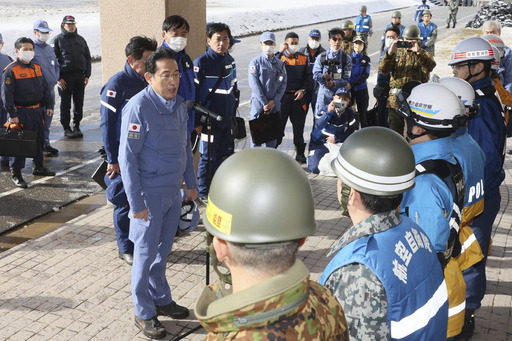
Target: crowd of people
column 422, row 202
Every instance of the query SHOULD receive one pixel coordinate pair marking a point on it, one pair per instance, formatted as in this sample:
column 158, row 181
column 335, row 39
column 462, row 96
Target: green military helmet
column 363, row 9
column 396, row 14
column 347, row 24
column 260, row 196
column 411, row 32
column 427, row 11
column 376, row 161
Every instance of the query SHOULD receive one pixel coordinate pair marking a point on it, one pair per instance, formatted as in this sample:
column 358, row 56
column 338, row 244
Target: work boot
column 468, row 328
column 127, row 257
column 448, row 26
column 453, row 25
column 300, row 157
column 40, row 170
column 17, row 178
column 77, row 131
column 173, row 310
column 51, row 150
column 152, row 328
column 69, row 133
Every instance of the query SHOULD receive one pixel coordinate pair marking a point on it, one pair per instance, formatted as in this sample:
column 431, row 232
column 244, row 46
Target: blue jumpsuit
column 4, row 61
column 25, row 94
column 311, row 96
column 114, row 96
column 359, row 86
column 154, row 156
column 419, row 12
column 267, row 80
column 207, row 69
column 487, row 128
column 505, row 70
column 45, row 57
column 328, row 124
column 187, row 89
column 340, row 76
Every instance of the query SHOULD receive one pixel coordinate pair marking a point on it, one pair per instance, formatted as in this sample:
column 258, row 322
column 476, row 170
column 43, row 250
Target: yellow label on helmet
column 219, row 219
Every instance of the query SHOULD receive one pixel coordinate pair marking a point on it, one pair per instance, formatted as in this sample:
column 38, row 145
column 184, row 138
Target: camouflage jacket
column 359, row 290
column 405, row 66
column 286, row 307
column 347, row 46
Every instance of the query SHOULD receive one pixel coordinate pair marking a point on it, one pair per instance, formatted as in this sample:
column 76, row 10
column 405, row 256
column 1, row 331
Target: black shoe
column 468, row 328
column 448, row 26
column 173, row 310
column 152, row 328
column 18, row 179
column 41, row 171
column 300, row 158
column 69, row 133
column 127, row 257
column 77, row 131
column 509, row 151
column 51, row 150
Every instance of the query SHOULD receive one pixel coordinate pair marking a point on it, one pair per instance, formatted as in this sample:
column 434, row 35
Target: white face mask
column 26, row 56
column 43, row 37
column 177, row 44
column 313, row 44
column 388, row 43
column 293, row 48
column 268, row 49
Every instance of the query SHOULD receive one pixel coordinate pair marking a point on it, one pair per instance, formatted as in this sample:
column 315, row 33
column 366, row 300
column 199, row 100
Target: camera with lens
column 331, row 64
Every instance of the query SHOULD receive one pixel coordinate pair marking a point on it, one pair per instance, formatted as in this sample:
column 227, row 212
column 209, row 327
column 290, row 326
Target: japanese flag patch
column 134, row 127
column 111, row 93
column 252, row 69
column 196, row 68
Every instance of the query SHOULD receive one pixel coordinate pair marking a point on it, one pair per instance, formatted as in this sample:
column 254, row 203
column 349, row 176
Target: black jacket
column 72, row 53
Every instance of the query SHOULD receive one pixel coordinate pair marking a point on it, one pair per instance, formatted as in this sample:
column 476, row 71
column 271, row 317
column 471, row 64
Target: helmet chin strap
column 410, row 136
column 470, row 74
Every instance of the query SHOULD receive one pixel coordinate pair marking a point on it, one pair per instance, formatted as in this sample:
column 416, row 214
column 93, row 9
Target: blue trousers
column 475, row 277
column 122, row 227
column 316, row 153
column 32, row 119
column 3, row 119
column 152, row 244
column 220, row 151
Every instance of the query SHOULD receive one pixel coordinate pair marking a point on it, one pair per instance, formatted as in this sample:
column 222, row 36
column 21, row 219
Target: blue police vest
column 405, row 263
column 363, row 24
column 426, row 32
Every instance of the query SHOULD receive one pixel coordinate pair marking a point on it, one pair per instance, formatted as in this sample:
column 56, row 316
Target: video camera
column 330, row 63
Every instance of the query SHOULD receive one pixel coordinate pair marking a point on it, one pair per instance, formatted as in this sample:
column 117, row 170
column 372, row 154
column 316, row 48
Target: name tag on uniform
column 134, row 136
column 337, row 76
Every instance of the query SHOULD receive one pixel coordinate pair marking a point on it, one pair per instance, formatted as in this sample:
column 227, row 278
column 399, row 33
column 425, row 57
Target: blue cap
column 315, row 34
column 115, row 190
column 267, row 36
column 42, row 26
column 342, row 91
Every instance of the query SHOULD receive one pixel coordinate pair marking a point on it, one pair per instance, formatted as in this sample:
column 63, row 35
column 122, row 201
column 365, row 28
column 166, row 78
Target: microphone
column 191, row 105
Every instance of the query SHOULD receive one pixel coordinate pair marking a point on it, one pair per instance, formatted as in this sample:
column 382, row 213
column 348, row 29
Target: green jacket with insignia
column 405, row 66
column 285, row 307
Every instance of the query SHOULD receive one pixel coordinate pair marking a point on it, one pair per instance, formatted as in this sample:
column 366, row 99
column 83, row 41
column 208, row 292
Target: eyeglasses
column 460, row 66
column 175, row 76
column 336, row 39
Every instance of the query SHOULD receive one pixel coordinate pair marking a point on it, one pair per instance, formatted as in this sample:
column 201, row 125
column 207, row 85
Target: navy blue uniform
column 114, row 95
column 25, row 94
column 4, row 61
column 208, row 68
column 310, row 97
column 359, row 88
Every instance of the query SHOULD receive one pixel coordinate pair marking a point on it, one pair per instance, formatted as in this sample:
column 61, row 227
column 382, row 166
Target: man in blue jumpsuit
column 27, row 99
column 4, row 61
column 471, row 61
column 396, row 21
column 155, row 157
column 385, row 272
column 428, row 33
column 333, row 124
column 332, row 70
column 45, row 57
column 419, row 11
column 175, row 31
column 312, row 50
column 267, row 80
column 114, row 96
column 215, row 68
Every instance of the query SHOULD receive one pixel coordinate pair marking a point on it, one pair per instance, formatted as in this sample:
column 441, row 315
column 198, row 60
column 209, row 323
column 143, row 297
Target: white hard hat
column 472, row 48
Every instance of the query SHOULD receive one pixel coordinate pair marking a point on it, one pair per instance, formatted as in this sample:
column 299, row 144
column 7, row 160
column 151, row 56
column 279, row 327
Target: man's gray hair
column 492, row 23
column 272, row 261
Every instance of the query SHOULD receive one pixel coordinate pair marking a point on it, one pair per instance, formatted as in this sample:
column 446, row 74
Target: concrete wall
column 122, row 19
